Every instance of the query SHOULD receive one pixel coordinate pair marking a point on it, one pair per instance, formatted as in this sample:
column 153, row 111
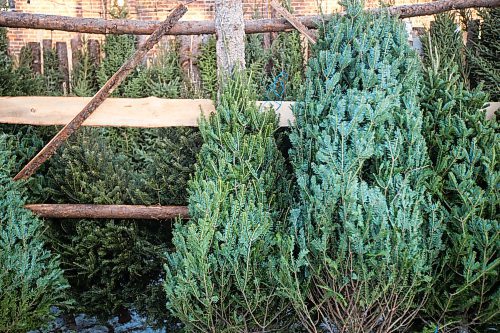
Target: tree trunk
column 230, row 33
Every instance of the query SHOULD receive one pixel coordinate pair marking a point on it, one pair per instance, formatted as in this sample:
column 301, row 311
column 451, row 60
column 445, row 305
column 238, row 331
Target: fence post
column 36, row 55
column 62, row 55
column 94, row 51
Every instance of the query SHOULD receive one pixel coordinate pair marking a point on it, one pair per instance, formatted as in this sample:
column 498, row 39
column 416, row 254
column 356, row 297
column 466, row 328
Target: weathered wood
column 83, row 211
column 47, row 45
column 294, row 21
column 76, row 45
column 101, row 95
column 36, row 57
column 102, row 26
column 62, row 56
column 94, row 49
column 118, row 112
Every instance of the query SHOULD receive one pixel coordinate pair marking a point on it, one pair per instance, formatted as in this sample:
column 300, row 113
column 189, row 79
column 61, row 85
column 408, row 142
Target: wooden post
column 36, row 57
column 62, row 55
column 472, row 32
column 76, row 45
column 94, row 51
column 83, row 211
column 294, row 21
column 101, row 95
column 47, row 45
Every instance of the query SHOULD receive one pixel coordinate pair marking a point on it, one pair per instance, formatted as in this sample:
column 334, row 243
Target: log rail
column 101, row 26
column 84, row 211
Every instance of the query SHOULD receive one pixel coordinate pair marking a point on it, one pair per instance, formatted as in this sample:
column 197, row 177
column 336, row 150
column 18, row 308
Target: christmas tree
column 483, row 55
column 220, row 278
column 31, row 280
column 463, row 147
column 364, row 236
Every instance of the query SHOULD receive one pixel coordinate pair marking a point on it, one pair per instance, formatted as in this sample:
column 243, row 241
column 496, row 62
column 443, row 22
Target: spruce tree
column 31, row 280
column 220, row 278
column 20, row 80
column 364, row 236
column 483, row 55
column 117, row 50
column 464, row 148
column 84, row 74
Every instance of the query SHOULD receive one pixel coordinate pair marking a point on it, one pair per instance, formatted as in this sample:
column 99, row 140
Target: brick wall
column 153, row 10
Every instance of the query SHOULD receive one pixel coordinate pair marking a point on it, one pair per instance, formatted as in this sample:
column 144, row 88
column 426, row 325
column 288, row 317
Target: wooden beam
column 101, row 26
column 83, row 211
column 102, row 94
column 118, row 112
column 294, row 21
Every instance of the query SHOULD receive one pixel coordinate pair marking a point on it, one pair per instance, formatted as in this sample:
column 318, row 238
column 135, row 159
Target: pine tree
column 220, row 276
column 207, row 63
column 52, row 76
column 445, row 35
column 483, row 56
column 31, row 280
column 463, row 147
column 20, row 80
column 115, row 265
column 84, row 75
column 117, row 50
column 364, row 236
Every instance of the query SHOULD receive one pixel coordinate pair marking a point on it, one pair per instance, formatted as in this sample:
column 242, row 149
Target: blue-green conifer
column 364, row 236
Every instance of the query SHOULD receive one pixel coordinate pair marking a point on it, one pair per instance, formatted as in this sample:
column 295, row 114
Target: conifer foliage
column 31, row 280
column 220, row 276
column 364, row 235
column 483, row 56
column 464, row 148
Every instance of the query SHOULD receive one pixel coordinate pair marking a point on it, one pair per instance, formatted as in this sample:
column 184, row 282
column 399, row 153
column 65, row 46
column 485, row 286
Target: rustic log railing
column 101, row 26
column 83, row 211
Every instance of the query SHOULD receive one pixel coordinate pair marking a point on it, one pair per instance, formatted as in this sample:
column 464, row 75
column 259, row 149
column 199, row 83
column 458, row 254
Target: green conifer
column 483, row 55
column 364, row 237
column 31, row 280
column 20, row 80
column 464, row 148
column 220, row 276
column 84, row 75
column 117, row 50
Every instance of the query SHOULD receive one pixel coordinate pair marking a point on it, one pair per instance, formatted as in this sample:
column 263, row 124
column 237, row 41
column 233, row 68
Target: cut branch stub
column 102, row 94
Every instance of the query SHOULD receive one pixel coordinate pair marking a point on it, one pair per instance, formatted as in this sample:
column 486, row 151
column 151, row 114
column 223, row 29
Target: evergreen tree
column 162, row 78
column 84, row 75
column 220, row 276
column 20, row 80
column 31, row 280
column 364, row 236
column 52, row 76
column 463, row 147
column 115, row 265
column 483, row 56
column 445, row 35
column 117, row 50
column 207, row 63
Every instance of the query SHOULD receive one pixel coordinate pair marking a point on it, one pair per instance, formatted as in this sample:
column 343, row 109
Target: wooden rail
column 83, row 211
column 101, row 26
column 118, row 112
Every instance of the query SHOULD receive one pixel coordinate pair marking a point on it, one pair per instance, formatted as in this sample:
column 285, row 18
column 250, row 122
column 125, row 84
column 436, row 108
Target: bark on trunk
column 230, row 33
